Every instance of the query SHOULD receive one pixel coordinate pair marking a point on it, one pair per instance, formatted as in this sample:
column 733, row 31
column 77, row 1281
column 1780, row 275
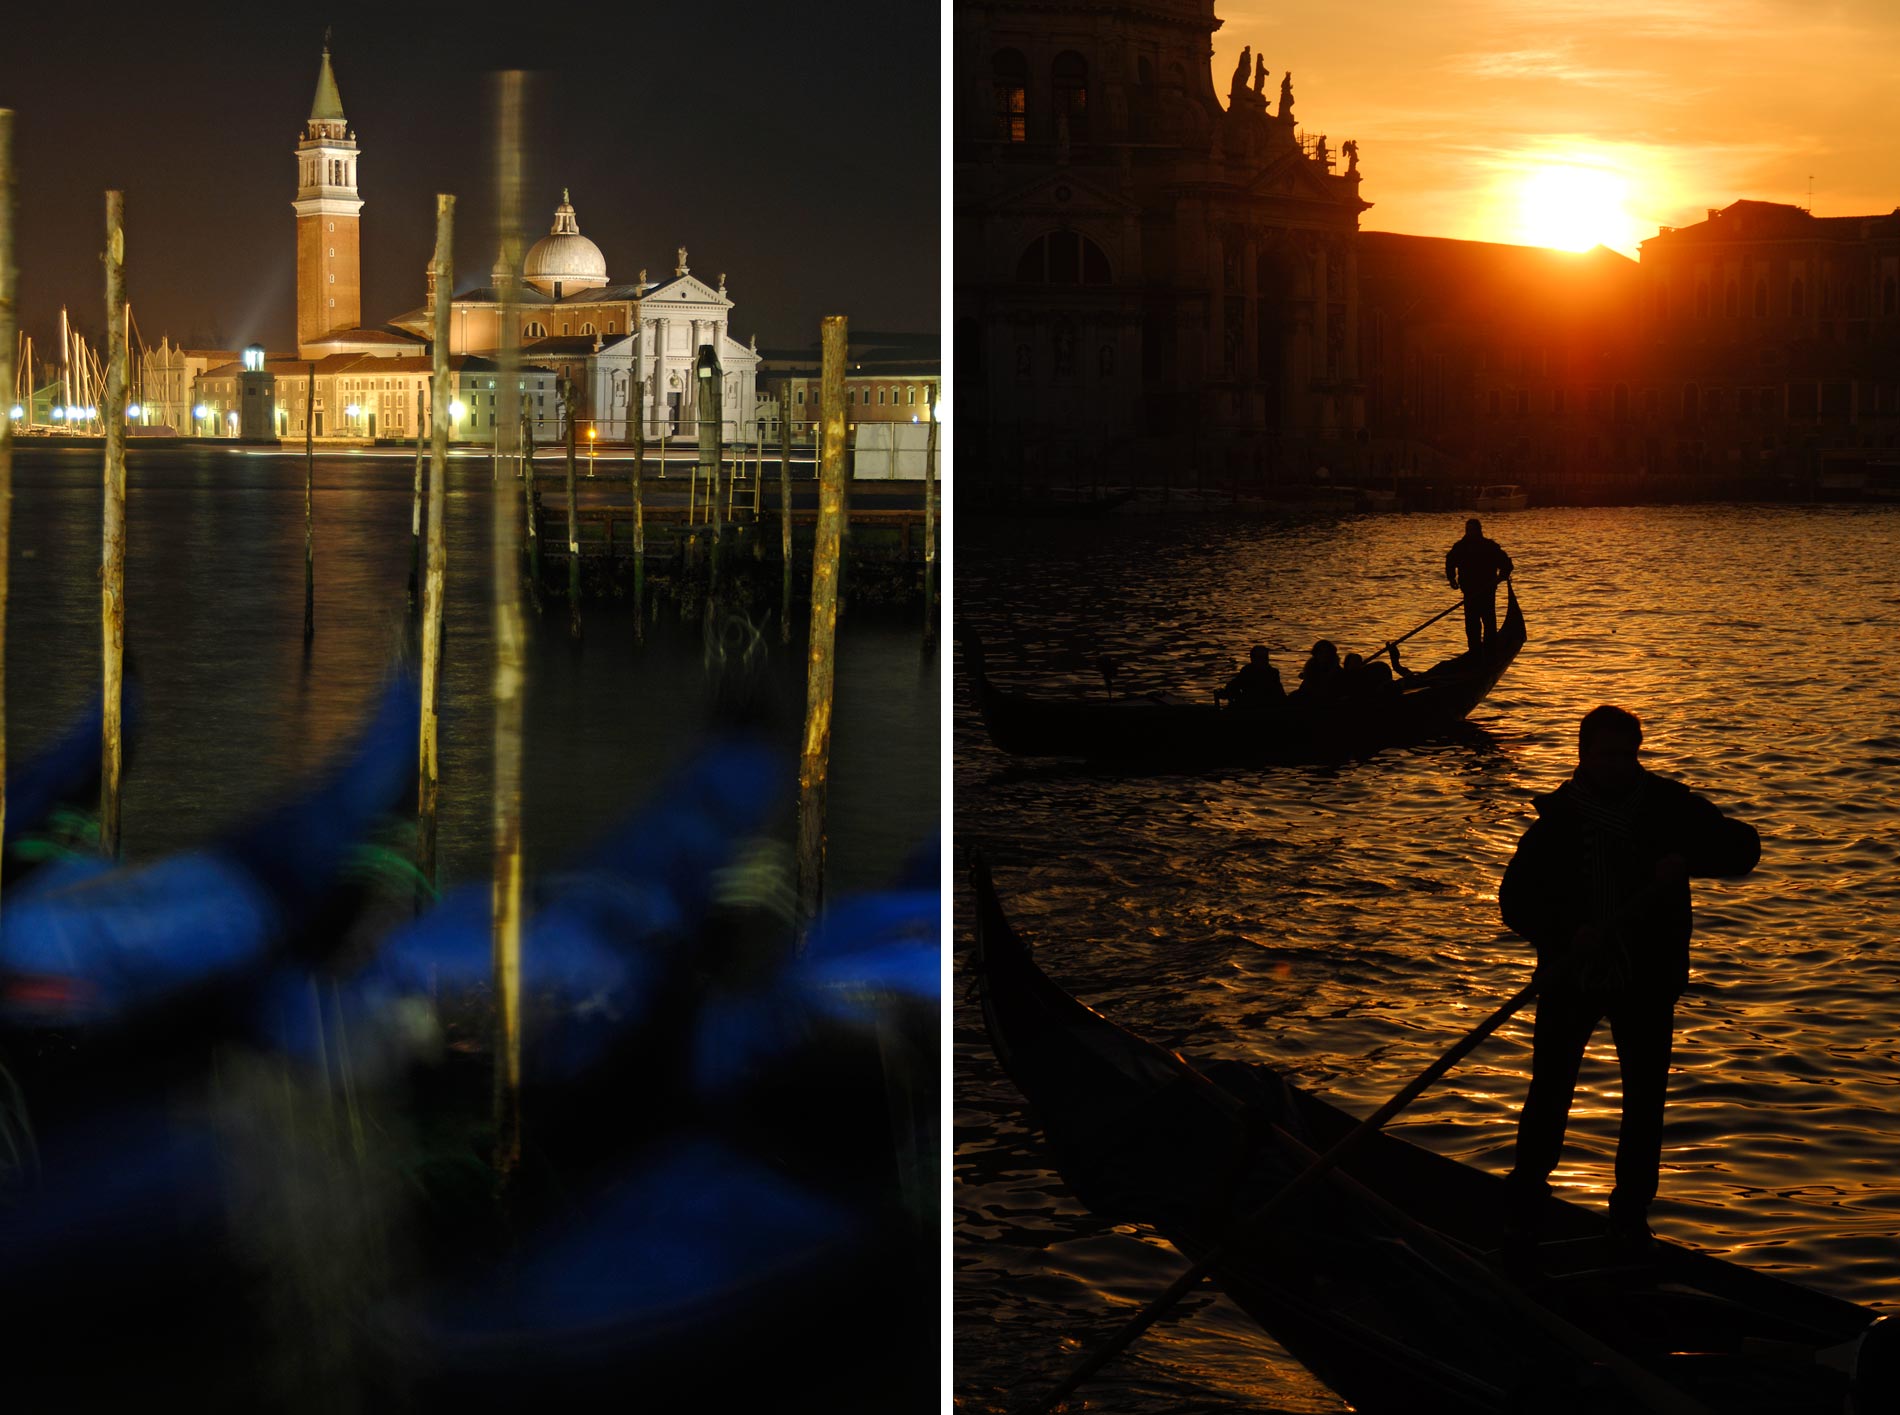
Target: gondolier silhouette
column 1600, row 885
column 1475, row 564
column 1257, row 686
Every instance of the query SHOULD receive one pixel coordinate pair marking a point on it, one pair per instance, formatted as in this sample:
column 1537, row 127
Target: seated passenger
column 1256, row 686
column 1320, row 676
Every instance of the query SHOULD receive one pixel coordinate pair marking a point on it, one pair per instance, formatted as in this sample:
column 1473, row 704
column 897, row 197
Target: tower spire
column 327, row 106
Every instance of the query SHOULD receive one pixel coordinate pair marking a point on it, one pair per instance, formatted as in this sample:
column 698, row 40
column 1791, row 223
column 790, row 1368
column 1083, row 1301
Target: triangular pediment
column 1293, row 174
column 683, row 290
column 1063, row 192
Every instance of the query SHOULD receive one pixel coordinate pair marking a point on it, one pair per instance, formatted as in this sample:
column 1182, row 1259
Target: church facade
column 1142, row 267
column 631, row 349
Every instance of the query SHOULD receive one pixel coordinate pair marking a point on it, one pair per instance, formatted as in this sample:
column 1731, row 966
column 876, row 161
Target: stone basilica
column 576, row 322
column 1137, row 260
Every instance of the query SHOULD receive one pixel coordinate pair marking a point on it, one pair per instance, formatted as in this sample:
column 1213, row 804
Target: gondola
column 1391, row 1280
column 1168, row 730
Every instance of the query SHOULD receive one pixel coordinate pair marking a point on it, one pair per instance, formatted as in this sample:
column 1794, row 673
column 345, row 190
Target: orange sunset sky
column 1567, row 123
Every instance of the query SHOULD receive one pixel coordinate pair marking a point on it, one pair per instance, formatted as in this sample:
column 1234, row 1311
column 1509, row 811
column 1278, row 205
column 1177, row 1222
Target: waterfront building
column 1138, row 262
column 577, row 324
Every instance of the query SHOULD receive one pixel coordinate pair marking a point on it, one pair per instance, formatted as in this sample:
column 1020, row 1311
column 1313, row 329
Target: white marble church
column 637, row 340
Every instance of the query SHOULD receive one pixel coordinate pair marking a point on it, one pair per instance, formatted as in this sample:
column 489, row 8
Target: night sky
column 793, row 147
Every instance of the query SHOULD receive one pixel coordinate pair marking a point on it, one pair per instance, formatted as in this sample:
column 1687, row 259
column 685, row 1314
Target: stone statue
column 722, row 282
column 1319, row 152
column 643, row 277
column 1286, row 95
column 1260, row 76
column 1239, row 85
column 1351, row 148
column 681, row 268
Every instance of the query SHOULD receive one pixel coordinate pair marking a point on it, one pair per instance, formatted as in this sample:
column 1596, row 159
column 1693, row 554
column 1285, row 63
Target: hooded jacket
column 1590, row 860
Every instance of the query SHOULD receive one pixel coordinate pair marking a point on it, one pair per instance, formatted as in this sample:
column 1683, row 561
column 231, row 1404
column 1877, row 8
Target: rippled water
column 1343, row 922
column 235, row 710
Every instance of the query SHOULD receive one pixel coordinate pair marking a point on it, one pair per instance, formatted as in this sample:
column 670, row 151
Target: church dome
column 564, row 261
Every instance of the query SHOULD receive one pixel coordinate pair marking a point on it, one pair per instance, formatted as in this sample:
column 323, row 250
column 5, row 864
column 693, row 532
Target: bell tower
column 329, row 271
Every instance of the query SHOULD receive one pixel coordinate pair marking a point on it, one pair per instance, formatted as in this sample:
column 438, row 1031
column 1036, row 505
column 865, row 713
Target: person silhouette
column 1256, row 686
column 1475, row 563
column 1600, row 886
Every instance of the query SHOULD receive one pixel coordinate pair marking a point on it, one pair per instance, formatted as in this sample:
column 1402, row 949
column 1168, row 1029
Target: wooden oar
column 1391, row 644
column 1313, row 1173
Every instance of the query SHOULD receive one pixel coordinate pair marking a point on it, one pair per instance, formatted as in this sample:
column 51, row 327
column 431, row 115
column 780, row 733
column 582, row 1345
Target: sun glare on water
column 1573, row 208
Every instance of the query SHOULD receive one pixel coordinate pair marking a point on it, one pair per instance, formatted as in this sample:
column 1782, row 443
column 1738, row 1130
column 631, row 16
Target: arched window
column 1797, row 298
column 534, row 329
column 1063, row 258
column 1009, row 72
column 588, row 328
column 1069, row 81
column 1761, row 297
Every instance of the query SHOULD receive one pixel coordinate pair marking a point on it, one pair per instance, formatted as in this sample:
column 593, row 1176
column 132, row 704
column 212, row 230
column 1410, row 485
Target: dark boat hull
column 1156, row 731
column 1383, row 1282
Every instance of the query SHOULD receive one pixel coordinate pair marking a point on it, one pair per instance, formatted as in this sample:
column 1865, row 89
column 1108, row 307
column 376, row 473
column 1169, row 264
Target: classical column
column 659, row 368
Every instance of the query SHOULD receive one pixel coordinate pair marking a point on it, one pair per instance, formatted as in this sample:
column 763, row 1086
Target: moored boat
column 1500, row 496
column 1385, row 1280
column 1166, row 730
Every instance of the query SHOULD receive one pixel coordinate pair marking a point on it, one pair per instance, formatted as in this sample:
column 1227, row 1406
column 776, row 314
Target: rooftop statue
column 1239, row 85
column 1351, row 148
column 1286, row 95
column 1260, row 76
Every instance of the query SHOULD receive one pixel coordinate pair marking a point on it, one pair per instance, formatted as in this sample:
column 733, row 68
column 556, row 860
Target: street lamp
column 592, row 433
column 351, row 412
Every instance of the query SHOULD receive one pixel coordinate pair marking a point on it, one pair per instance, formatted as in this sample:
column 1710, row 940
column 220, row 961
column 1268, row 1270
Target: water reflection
column 1342, row 922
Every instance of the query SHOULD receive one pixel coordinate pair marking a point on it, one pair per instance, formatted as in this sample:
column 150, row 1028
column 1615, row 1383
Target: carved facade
column 1139, row 264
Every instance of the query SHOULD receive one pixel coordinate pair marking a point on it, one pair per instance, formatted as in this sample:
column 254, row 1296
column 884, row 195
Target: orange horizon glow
column 1579, row 123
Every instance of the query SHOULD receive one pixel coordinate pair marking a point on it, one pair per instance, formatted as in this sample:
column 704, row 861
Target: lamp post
column 592, row 433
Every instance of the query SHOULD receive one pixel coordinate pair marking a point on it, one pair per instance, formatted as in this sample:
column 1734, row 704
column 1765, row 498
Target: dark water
column 235, row 710
column 1343, row 921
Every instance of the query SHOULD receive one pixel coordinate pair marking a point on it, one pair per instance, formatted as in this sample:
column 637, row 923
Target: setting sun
column 1574, row 208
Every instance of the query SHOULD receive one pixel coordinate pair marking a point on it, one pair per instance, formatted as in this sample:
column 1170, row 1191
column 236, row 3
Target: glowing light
column 92, row 413
column 16, row 412
column 353, row 410
column 591, row 434
column 133, row 411
column 1573, row 207
column 59, row 415
column 456, row 409
column 201, row 411
column 231, row 417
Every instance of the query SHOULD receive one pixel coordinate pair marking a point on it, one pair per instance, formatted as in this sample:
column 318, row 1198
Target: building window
column 1063, row 258
column 910, row 395
column 610, row 326
column 565, row 329
column 1009, row 71
column 588, row 328
column 534, row 330
column 1069, row 79
column 880, row 397
column 799, row 396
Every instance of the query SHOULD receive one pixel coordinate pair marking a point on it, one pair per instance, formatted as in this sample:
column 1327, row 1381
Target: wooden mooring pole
column 112, row 566
column 510, row 661
column 639, row 509
column 415, row 511
column 785, row 515
column 435, row 566
column 573, row 521
column 930, row 533
column 309, row 522
column 7, row 371
column 815, row 761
